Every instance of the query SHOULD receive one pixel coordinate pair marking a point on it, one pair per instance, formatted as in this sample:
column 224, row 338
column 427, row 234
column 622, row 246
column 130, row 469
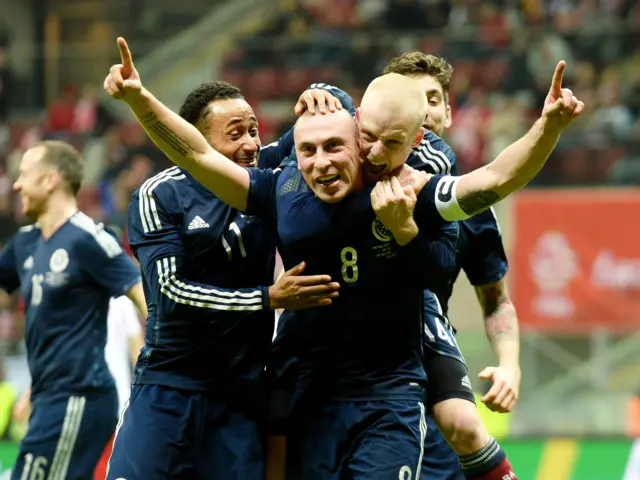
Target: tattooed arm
column 521, row 161
column 185, row 145
column 510, row 171
column 501, row 327
column 500, row 321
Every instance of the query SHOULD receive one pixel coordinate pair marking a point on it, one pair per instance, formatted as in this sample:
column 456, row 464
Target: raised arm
column 177, row 138
column 518, row 163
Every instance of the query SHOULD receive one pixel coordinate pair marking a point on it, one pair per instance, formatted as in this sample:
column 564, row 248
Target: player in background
column 124, row 341
column 67, row 268
column 198, row 393
column 482, row 256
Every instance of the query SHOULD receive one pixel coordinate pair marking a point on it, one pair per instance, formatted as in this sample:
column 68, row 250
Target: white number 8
column 405, row 473
column 349, row 258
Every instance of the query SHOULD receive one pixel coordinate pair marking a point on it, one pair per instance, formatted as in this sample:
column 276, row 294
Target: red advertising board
column 576, row 259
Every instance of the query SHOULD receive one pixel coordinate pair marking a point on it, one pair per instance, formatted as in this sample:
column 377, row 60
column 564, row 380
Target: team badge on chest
column 59, row 261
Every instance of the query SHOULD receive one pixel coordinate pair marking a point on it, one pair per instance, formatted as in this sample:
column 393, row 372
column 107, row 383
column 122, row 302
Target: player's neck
column 58, row 211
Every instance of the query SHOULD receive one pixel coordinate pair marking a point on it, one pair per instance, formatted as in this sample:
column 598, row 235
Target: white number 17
column 233, row 227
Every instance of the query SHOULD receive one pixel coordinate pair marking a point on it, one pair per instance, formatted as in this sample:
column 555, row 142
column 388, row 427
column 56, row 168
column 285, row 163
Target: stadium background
column 573, row 236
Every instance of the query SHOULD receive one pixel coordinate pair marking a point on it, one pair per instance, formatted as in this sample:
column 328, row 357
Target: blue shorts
column 282, row 373
column 440, row 462
column 164, row 433
column 67, row 436
column 444, row 364
column 373, row 440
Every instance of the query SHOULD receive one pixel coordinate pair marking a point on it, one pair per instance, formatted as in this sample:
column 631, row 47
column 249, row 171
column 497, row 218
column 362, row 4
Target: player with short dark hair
column 198, row 395
column 67, row 268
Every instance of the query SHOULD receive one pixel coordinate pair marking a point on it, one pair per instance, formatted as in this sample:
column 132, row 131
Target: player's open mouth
column 375, row 168
column 328, row 179
column 247, row 162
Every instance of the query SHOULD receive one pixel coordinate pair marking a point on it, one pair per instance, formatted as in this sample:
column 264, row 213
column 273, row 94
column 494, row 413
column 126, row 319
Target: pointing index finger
column 125, row 55
column 556, row 81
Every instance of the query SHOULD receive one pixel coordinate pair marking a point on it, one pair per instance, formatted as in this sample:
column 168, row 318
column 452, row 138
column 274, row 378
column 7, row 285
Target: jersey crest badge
column 381, row 232
column 59, row 260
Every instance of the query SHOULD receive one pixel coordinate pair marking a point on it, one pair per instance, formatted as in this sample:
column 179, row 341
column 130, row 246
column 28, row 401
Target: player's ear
column 357, row 115
column 51, row 180
column 448, row 118
column 418, row 138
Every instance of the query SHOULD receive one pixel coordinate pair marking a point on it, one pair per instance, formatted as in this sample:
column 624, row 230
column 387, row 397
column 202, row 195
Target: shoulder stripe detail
column 107, row 243
column 147, row 204
column 434, row 157
column 439, row 153
column 194, row 296
column 272, row 144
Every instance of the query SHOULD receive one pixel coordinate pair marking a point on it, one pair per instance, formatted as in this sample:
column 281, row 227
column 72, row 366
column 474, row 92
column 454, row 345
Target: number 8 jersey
column 367, row 344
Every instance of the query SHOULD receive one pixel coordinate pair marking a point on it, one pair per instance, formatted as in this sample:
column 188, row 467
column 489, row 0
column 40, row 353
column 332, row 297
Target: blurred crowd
column 504, row 53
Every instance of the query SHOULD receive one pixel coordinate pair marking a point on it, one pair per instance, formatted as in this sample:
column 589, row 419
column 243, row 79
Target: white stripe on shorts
column 67, row 439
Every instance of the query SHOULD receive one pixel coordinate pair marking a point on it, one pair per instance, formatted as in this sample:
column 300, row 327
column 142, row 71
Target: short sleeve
column 104, row 260
column 485, row 260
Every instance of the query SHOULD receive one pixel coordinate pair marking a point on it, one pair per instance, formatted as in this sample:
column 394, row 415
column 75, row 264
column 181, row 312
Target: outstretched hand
column 561, row 107
column 123, row 82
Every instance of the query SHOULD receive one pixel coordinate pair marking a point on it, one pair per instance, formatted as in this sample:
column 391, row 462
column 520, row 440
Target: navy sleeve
column 485, row 261
column 158, row 246
column 104, row 260
column 432, row 253
column 344, row 97
column 433, row 155
column 273, row 154
column 261, row 201
column 9, row 278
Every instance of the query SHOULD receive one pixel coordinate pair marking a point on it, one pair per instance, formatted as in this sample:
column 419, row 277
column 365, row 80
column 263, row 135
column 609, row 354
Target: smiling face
column 233, row 131
column 34, row 183
column 328, row 154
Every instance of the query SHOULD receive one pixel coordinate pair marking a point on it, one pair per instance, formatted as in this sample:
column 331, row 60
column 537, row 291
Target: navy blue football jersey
column 67, row 281
column 380, row 304
column 206, row 270
column 273, row 154
column 480, row 252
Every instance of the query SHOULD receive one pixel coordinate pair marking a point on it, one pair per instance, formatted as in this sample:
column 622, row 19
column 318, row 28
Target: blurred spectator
column 5, row 85
column 62, row 111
